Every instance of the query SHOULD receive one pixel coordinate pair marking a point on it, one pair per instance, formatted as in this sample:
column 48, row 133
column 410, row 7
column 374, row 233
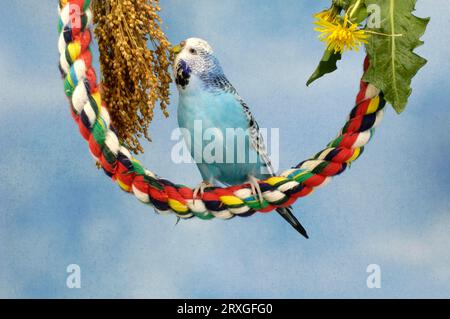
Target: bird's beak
column 177, row 49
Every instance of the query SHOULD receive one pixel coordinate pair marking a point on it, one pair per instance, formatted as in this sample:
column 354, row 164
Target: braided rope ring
column 93, row 120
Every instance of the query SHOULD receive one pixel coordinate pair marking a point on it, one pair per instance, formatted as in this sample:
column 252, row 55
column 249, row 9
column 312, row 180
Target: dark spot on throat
column 183, row 73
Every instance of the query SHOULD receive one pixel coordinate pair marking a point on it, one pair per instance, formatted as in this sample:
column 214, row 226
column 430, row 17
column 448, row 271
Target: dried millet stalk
column 134, row 77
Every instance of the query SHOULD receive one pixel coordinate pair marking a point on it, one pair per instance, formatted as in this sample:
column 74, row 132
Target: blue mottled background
column 391, row 208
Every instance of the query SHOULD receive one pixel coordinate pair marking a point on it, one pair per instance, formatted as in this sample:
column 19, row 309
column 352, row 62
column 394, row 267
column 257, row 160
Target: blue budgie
column 208, row 102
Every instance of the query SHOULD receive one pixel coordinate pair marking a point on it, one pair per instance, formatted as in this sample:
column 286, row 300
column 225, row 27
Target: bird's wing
column 256, row 138
column 257, row 143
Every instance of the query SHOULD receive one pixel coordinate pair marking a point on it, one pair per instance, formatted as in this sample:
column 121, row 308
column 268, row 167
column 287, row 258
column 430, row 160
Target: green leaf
column 393, row 63
column 326, row 65
column 357, row 11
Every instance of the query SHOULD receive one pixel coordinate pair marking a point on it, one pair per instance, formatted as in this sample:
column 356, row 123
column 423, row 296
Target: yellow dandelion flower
column 326, row 15
column 338, row 36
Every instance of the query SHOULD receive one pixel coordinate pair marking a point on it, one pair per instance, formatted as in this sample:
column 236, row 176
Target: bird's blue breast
column 217, row 111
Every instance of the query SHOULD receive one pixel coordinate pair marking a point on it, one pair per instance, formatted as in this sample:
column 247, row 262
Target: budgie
column 207, row 100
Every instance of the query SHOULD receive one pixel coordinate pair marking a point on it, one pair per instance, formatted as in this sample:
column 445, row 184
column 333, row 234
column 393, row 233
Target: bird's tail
column 286, row 213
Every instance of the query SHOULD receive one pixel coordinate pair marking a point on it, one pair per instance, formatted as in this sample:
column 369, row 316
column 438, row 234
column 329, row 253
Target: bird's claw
column 256, row 190
column 200, row 189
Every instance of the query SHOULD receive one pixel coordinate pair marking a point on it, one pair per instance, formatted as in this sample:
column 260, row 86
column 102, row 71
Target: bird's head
column 194, row 57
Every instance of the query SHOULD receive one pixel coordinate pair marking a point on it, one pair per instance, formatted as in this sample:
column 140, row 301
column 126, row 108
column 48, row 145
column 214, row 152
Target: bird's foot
column 200, row 189
column 256, row 190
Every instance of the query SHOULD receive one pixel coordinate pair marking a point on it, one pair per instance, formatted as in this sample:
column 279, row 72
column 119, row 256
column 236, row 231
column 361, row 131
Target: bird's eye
column 192, row 51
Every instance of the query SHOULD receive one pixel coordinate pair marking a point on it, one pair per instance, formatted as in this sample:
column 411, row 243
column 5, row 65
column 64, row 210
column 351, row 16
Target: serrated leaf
column 326, row 65
column 393, row 63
